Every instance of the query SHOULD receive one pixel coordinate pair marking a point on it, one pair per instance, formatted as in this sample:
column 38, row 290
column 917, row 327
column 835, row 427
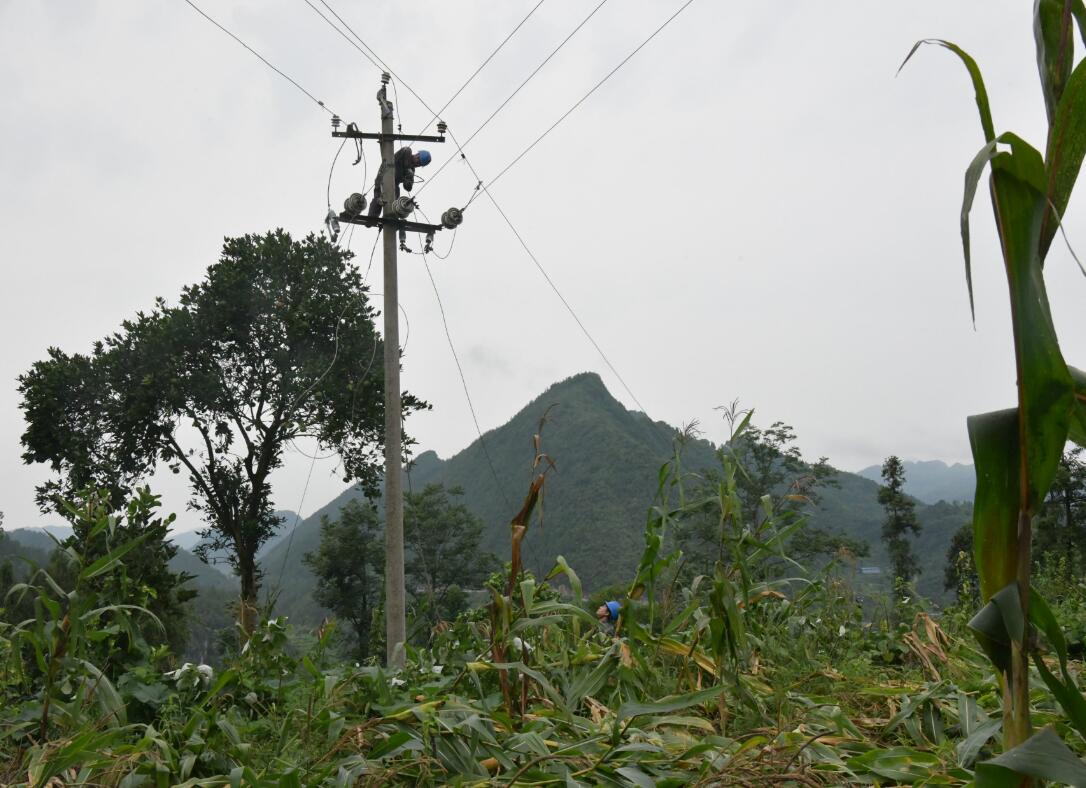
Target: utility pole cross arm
column 369, row 135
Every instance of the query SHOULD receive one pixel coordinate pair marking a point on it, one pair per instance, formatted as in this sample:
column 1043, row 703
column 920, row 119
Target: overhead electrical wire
column 464, row 382
column 328, row 191
column 483, row 65
column 263, row 59
column 565, row 303
column 290, row 539
column 368, row 51
column 347, row 38
column 583, row 98
column 460, row 147
column 505, row 217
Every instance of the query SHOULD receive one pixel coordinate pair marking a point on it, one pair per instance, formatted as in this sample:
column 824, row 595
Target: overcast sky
column 754, row 207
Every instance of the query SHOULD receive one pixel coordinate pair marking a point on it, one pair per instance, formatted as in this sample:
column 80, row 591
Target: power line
column 596, row 87
column 331, row 24
column 565, row 303
column 464, row 383
column 491, row 197
column 297, row 519
column 328, row 191
column 483, row 65
column 536, row 70
column 375, row 59
column 263, row 59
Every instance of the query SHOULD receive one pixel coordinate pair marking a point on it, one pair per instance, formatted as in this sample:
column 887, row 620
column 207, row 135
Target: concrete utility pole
column 395, row 219
column 395, row 591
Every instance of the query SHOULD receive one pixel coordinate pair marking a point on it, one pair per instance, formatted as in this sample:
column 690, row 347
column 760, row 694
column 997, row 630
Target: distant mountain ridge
column 41, row 546
column 190, row 540
column 932, row 481
column 607, row 460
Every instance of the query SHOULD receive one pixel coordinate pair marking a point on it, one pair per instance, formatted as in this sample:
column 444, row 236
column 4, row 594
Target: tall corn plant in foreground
column 1016, row 451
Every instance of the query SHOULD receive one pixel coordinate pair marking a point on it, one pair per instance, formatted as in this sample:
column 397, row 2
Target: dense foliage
column 595, row 503
column 349, row 566
column 276, row 342
column 443, row 559
column 1017, row 451
column 899, row 525
column 756, row 674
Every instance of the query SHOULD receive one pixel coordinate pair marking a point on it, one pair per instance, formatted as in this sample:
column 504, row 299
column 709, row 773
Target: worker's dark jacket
column 405, row 168
column 405, row 175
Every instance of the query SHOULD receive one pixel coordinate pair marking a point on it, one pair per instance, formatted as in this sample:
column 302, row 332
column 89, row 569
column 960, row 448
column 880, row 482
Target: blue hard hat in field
column 424, row 157
column 612, row 610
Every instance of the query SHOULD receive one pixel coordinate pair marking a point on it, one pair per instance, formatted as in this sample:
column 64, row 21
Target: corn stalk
column 1016, row 451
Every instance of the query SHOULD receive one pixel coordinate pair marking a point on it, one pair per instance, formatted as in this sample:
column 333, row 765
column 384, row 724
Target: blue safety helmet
column 424, row 158
column 612, row 610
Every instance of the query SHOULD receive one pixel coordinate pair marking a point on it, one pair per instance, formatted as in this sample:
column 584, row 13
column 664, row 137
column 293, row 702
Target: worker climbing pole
column 391, row 214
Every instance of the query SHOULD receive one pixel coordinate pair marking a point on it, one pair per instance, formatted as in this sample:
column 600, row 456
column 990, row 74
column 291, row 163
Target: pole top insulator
column 402, row 207
column 385, row 77
column 452, row 218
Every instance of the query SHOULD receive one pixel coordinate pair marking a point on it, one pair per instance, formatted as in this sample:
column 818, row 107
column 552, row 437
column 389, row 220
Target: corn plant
column 1016, row 451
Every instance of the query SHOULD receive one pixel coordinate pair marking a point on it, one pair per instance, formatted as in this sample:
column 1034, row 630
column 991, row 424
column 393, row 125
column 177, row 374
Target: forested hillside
column 36, row 545
column 607, row 459
column 932, row 481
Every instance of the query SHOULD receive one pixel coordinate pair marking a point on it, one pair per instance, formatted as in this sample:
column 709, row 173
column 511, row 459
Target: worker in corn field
column 607, row 613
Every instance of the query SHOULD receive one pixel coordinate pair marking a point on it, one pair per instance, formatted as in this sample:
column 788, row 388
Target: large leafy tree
column 442, row 538
column 349, row 566
column 144, row 578
column 770, row 479
column 1061, row 525
column 773, row 464
column 276, row 342
column 900, row 523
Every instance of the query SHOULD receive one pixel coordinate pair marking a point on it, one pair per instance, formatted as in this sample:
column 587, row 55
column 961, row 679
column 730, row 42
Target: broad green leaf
column 993, row 438
column 1066, row 690
column 109, row 700
column 667, row 706
column 969, row 748
column 1078, row 420
column 112, row 558
column 539, row 678
column 588, row 682
column 1055, row 49
column 1066, row 147
column 563, row 609
column 981, row 94
column 1042, row 755
column 1023, row 161
column 1045, row 395
column 999, row 624
column 561, row 567
column 699, row 723
column 901, row 764
column 392, row 743
column 636, row 776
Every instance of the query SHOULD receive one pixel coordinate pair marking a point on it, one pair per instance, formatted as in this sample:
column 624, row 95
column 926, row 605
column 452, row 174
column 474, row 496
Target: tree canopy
column 277, row 342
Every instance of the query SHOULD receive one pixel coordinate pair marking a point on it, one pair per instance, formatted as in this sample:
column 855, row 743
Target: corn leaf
column 981, row 94
column 1055, row 49
column 1042, row 755
column 1045, row 394
column 1064, row 688
column 993, row 438
column 1078, row 420
column 999, row 624
column 669, row 705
